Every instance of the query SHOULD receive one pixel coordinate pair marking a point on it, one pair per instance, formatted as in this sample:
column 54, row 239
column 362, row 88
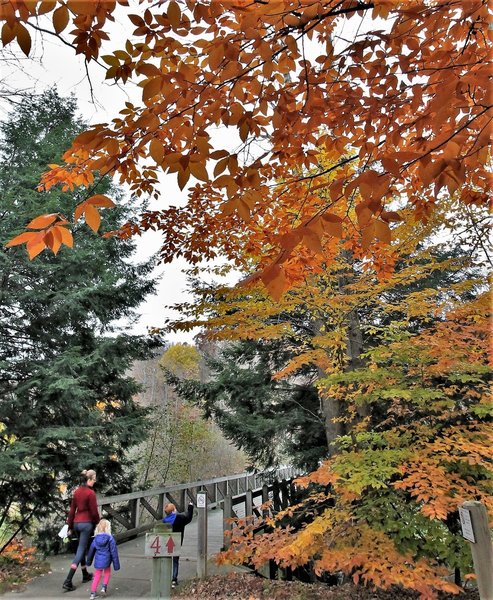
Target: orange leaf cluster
column 434, row 477
column 53, row 230
column 52, row 233
column 372, row 558
column 403, row 111
column 19, row 552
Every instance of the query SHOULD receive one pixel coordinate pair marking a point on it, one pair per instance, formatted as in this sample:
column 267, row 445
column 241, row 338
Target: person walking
column 105, row 553
column 82, row 518
column 178, row 522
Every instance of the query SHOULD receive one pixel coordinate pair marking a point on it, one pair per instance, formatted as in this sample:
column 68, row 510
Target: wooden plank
column 170, row 488
column 118, row 517
column 150, row 509
column 134, row 512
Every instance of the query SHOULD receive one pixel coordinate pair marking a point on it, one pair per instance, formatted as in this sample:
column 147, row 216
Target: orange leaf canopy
column 394, row 94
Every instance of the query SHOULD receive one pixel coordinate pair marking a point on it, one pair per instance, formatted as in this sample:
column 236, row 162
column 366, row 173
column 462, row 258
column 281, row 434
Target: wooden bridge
column 137, row 512
column 241, row 495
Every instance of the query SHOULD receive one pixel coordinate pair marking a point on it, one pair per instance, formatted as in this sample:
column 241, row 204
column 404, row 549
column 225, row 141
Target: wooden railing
column 279, row 493
column 136, row 512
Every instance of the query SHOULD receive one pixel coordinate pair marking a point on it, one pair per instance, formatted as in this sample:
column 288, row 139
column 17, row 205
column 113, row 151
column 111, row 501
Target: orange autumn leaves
column 409, row 112
column 383, row 508
column 52, row 231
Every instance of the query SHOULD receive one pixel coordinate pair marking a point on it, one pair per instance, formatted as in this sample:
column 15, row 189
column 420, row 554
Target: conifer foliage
column 65, row 401
column 274, row 422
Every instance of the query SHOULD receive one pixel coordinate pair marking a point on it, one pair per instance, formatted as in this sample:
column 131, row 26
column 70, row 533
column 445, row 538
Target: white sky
column 56, row 65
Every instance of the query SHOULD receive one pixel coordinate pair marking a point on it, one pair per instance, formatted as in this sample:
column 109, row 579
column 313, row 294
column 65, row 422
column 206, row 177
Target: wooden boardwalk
column 134, row 578
column 237, row 494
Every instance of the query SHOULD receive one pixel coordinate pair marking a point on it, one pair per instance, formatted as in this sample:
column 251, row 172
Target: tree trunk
column 333, row 408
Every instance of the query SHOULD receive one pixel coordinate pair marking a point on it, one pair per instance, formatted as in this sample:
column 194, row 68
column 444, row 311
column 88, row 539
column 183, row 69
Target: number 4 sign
column 162, row 544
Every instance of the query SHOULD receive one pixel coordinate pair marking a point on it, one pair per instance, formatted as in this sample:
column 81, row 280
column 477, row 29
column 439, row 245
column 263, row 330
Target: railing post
column 160, row 505
column 284, row 494
column 275, row 496
column 474, row 520
column 134, row 512
column 293, row 492
column 265, row 498
column 249, row 506
column 181, row 501
column 227, row 515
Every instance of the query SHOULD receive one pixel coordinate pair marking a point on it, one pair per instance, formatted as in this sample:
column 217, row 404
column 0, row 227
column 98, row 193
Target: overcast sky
column 56, row 65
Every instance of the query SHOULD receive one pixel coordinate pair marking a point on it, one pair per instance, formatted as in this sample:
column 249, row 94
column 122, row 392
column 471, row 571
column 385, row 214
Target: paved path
column 134, row 578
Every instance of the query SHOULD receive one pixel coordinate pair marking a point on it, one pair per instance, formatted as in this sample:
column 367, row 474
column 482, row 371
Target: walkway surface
column 134, row 578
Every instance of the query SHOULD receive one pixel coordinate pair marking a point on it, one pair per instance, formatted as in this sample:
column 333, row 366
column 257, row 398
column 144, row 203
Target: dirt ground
column 250, row 587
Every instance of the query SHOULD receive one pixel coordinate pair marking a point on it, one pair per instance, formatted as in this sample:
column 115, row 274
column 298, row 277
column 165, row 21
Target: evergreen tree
column 65, row 400
column 272, row 421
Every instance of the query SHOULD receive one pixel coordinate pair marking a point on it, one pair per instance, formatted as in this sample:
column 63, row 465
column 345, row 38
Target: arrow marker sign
column 170, row 544
column 162, row 545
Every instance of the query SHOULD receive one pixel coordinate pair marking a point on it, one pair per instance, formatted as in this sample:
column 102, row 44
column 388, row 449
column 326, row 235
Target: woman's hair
column 169, row 508
column 87, row 474
column 104, row 526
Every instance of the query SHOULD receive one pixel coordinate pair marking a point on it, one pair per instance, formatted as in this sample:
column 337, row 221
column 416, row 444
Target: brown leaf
column 156, row 150
column 174, row 14
column 23, row 38
column 60, row 19
column 152, row 88
column 382, row 232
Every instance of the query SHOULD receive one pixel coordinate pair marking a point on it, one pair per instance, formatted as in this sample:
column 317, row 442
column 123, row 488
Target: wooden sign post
column 202, row 534
column 161, row 545
column 475, row 529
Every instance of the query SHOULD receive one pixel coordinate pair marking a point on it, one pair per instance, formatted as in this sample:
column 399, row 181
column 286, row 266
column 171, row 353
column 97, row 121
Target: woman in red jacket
column 82, row 519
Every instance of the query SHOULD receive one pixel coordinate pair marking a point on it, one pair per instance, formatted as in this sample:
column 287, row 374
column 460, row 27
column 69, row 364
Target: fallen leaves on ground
column 245, row 586
column 14, row 575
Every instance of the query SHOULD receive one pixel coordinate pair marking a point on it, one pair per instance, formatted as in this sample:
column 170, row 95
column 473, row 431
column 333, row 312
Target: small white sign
column 466, row 524
column 201, row 499
column 159, row 545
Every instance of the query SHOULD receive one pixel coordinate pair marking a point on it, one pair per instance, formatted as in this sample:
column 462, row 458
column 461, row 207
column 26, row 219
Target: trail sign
column 466, row 524
column 159, row 545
